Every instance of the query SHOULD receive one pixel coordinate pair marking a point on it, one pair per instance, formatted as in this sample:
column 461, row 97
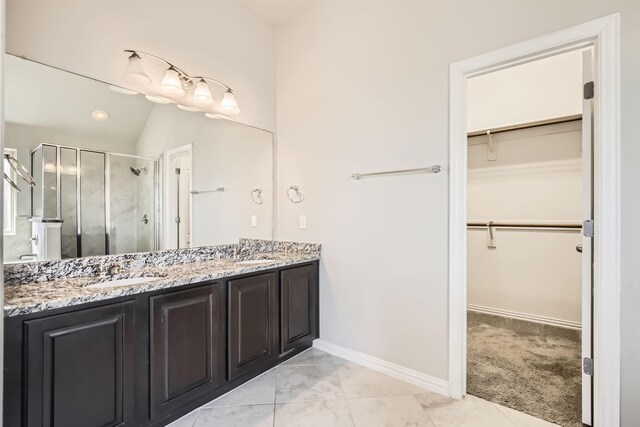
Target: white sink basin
column 121, row 282
column 255, row 262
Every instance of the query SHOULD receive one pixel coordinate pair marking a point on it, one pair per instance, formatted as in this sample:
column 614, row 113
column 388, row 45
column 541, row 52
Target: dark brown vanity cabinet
column 79, row 368
column 253, row 317
column 187, row 342
column 147, row 359
column 298, row 307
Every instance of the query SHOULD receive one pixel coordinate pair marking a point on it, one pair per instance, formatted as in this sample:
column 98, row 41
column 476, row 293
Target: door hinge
column 589, row 90
column 177, row 171
column 587, row 366
column 177, row 220
column 587, row 228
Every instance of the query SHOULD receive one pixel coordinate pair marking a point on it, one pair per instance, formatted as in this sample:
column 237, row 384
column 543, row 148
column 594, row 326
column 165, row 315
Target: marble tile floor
column 316, row 389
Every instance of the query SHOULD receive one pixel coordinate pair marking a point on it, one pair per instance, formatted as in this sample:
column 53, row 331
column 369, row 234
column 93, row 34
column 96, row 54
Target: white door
column 587, row 242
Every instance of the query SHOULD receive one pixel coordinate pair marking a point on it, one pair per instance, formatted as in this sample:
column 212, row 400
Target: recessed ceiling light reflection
column 100, row 115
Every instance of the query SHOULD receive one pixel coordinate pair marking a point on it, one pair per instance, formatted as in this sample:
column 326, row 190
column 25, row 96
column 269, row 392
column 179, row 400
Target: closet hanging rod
column 565, row 119
column 558, row 225
column 431, row 169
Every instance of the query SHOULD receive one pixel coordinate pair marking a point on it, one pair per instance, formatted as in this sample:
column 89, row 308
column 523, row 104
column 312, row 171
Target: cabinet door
column 298, row 307
column 80, row 368
column 252, row 323
column 187, row 346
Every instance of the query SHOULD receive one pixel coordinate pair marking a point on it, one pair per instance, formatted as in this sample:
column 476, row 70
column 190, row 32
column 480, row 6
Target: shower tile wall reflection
column 93, row 238
column 69, row 201
column 131, row 200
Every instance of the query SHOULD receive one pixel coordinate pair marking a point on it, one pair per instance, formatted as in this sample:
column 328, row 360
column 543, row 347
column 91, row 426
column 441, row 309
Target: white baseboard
column 419, row 379
column 525, row 316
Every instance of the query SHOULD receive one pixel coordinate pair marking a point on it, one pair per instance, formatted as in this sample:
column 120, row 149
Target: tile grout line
column 196, row 418
column 344, row 394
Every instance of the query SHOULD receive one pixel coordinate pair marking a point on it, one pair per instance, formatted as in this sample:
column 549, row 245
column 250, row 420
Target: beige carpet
column 525, row 366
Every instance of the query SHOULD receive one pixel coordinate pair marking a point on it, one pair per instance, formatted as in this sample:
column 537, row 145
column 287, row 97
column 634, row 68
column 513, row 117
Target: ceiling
column 44, row 97
column 278, row 11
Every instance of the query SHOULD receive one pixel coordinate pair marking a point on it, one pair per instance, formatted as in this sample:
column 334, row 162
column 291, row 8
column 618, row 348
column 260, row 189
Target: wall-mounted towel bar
column 431, row 169
column 213, row 190
column 523, row 225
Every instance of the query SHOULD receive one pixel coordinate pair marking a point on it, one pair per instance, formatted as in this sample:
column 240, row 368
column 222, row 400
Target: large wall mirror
column 115, row 173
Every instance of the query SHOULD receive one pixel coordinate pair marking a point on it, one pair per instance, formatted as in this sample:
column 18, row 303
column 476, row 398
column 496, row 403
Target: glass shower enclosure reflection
column 106, row 201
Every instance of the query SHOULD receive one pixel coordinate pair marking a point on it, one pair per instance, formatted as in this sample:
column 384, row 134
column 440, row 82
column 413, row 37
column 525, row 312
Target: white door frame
column 167, row 223
column 603, row 34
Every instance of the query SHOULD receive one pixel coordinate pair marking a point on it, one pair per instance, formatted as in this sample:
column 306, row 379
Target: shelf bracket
column 492, row 156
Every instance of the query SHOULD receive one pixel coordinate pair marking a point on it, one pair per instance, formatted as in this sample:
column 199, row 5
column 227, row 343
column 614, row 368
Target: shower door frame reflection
column 107, row 192
column 154, row 210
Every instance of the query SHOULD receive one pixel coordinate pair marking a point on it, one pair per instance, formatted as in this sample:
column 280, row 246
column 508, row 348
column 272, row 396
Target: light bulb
column 171, row 83
column 229, row 104
column 202, row 94
column 135, row 71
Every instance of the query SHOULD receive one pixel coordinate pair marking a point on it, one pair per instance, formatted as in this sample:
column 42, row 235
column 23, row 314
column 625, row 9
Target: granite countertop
column 36, row 296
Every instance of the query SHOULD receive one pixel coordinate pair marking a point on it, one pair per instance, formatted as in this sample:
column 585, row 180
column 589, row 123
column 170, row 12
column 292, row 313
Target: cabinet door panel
column 187, row 347
column 252, row 323
column 298, row 307
column 80, row 368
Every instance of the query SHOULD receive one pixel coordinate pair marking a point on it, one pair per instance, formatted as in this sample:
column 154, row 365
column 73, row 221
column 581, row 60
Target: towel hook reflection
column 297, row 196
column 256, row 196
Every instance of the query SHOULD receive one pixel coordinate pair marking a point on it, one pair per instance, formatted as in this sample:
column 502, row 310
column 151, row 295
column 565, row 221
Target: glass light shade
column 135, row 72
column 229, row 104
column 171, row 83
column 214, row 116
column 157, row 99
column 202, row 94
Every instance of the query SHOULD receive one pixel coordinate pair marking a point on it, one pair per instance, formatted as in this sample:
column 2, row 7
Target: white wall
column 545, row 89
column 537, row 178
column 222, row 39
column 225, row 154
column 363, row 85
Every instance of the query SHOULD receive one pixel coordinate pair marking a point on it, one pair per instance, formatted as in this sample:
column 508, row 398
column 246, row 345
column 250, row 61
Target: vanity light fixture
column 157, row 99
column 176, row 83
column 202, row 94
column 229, row 105
column 100, row 115
column 135, row 70
column 172, row 83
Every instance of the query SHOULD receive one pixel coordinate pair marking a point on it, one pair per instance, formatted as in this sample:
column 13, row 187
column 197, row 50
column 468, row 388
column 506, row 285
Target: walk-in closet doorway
column 601, row 378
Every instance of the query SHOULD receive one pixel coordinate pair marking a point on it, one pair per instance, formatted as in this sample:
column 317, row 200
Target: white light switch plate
column 303, row 222
column 254, row 221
